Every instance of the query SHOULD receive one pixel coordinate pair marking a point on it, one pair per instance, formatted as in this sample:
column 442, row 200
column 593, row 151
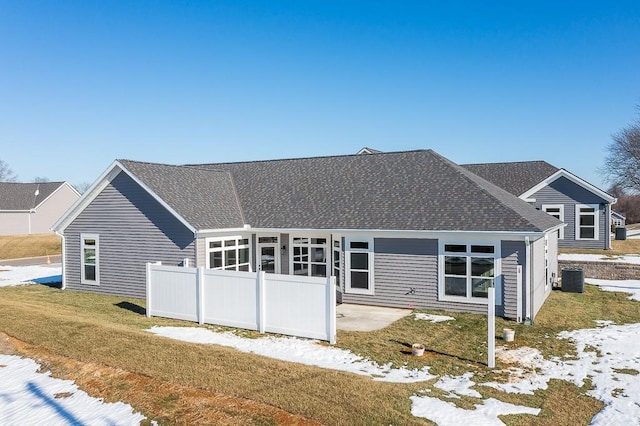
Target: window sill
column 92, row 283
column 359, row 292
column 471, row 301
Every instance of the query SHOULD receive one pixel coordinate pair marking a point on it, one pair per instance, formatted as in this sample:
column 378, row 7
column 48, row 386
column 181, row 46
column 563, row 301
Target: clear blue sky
column 83, row 83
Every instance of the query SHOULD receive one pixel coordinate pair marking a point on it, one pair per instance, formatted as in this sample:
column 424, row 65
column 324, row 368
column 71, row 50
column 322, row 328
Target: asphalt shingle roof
column 205, row 198
column 21, row 196
column 517, row 177
column 414, row 190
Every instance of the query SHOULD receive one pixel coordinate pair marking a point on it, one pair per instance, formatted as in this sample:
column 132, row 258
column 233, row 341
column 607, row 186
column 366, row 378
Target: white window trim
column 327, row 248
column 561, row 213
column 95, row 237
column 596, row 222
column 347, row 265
column 497, row 269
column 337, row 239
column 208, row 251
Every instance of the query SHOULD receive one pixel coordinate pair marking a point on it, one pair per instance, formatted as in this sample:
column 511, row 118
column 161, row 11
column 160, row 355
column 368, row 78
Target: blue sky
column 83, row 83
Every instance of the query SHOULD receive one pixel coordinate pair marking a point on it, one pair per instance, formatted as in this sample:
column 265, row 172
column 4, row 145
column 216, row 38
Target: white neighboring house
column 617, row 219
column 33, row 208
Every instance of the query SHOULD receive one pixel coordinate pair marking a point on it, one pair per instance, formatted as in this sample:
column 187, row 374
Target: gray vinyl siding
column 133, row 229
column 540, row 279
column 565, row 192
column 284, row 260
column 406, row 275
column 399, row 266
column 513, row 254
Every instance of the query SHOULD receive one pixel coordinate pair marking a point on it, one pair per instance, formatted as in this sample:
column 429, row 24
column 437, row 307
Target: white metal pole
column 491, row 328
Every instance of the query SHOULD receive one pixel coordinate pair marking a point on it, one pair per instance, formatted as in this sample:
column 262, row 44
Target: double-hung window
column 359, row 265
column 587, row 224
column 90, row 265
column 557, row 211
column 468, row 271
column 228, row 253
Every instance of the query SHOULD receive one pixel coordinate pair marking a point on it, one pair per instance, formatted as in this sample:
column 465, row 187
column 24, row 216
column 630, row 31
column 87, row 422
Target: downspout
column 64, row 250
column 527, row 281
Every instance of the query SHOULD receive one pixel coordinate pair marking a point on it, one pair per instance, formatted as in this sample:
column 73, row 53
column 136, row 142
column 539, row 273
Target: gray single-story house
column 33, row 208
column 584, row 208
column 399, row 229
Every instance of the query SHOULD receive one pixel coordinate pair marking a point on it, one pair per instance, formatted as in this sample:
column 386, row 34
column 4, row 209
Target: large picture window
column 469, row 271
column 90, row 267
column 309, row 256
column 587, row 226
column 228, row 253
column 359, row 265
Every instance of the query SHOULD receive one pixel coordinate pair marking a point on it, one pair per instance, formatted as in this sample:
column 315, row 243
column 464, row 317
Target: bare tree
column 82, row 187
column 41, row 179
column 6, row 174
column 622, row 164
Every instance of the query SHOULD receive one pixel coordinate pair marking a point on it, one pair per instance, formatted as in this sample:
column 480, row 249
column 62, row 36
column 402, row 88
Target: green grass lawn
column 109, row 331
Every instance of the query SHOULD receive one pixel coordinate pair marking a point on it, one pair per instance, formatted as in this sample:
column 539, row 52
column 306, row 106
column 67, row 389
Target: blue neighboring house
column 583, row 207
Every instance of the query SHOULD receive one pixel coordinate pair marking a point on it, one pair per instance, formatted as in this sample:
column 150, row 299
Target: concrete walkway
column 30, row 261
column 366, row 318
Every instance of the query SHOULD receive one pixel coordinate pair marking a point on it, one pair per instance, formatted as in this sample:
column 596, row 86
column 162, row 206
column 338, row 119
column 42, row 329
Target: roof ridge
column 510, row 162
column 307, row 158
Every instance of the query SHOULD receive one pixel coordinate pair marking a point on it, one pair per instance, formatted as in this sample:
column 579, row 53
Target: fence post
column 331, row 309
column 148, row 290
column 200, row 283
column 261, row 278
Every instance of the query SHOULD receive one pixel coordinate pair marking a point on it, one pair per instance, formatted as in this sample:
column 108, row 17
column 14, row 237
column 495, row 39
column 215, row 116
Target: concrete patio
column 366, row 318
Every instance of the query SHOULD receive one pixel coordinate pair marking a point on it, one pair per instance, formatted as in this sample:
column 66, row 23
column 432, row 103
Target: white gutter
column 64, row 268
column 399, row 233
column 527, row 278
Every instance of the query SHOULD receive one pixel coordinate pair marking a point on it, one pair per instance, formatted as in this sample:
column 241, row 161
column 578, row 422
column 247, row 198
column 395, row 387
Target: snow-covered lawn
column 13, row 275
column 28, row 397
column 31, row 398
column 613, row 368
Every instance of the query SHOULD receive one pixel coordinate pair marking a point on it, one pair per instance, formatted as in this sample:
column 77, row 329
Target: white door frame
column 276, row 251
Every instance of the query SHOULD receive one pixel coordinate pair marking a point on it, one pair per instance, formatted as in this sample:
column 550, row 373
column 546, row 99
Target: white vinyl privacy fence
column 285, row 304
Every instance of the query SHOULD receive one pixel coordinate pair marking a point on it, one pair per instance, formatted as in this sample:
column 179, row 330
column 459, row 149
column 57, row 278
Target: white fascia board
column 56, row 190
column 573, row 178
column 105, row 178
column 394, row 233
column 203, row 233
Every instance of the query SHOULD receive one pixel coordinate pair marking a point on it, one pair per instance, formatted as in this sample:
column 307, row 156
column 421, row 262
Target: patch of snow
column 302, row 351
column 460, row 385
column 447, row 414
column 613, row 367
column 433, row 318
column 635, row 259
column 625, row 286
column 31, row 398
column 16, row 275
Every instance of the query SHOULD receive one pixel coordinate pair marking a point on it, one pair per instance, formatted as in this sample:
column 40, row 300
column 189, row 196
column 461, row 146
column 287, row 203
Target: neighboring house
column 400, row 229
column 617, row 219
column 33, row 208
column 584, row 208
column 367, row 150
